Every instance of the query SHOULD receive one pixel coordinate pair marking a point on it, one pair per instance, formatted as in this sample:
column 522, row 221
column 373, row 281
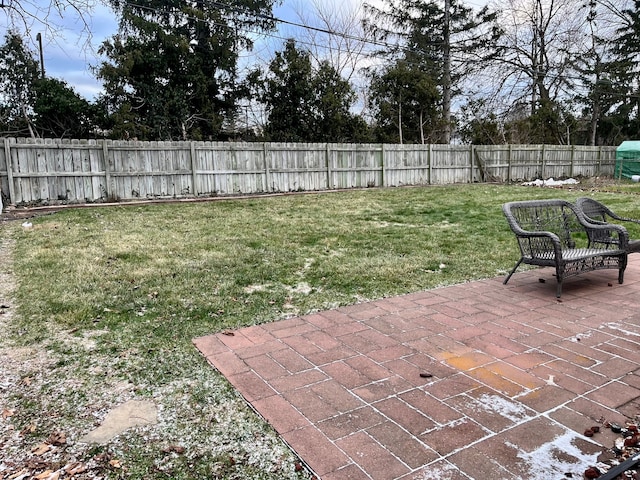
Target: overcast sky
column 69, row 54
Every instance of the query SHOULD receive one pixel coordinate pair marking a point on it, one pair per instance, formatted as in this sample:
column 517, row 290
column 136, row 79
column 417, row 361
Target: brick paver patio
column 473, row 381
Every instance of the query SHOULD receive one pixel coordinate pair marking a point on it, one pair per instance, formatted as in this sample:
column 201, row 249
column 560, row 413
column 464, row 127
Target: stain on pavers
column 130, row 414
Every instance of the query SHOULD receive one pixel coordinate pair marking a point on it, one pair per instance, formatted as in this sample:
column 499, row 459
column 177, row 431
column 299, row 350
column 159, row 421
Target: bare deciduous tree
column 541, row 37
column 335, row 33
column 25, row 15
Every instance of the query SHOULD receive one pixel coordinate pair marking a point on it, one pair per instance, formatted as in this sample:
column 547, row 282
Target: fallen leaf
column 27, row 381
column 6, row 413
column 228, row 333
column 44, row 474
column 174, row 448
column 115, row 463
column 41, row 449
column 102, row 457
column 28, row 429
column 75, row 468
column 21, row 474
column 57, row 438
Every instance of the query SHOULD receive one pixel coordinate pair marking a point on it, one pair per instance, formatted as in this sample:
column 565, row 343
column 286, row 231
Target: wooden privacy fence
column 41, row 171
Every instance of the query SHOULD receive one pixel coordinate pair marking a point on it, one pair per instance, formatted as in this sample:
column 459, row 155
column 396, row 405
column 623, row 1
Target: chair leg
column 512, row 271
column 621, row 269
column 559, row 288
column 559, row 277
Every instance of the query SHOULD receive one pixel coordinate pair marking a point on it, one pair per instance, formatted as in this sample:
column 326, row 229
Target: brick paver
column 511, row 378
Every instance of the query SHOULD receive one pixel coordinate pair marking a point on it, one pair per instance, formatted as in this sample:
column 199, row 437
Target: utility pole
column 39, row 39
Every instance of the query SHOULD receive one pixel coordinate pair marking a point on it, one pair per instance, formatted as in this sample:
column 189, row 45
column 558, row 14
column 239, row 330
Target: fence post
column 327, row 157
column 542, row 175
column 429, row 151
column 192, row 165
column 509, row 155
column 9, row 162
column 573, row 156
column 384, row 163
column 107, row 170
column 471, row 152
column 267, row 171
column 599, row 163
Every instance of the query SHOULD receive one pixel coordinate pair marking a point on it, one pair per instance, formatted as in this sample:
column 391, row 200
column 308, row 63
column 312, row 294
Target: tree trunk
column 446, row 73
column 28, row 121
column 400, row 120
column 595, row 117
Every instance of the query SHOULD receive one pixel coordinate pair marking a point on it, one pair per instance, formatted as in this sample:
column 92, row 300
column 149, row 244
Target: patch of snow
column 514, row 411
column 619, row 328
column 580, row 336
column 544, row 462
column 444, row 472
column 551, row 182
column 302, row 287
column 255, row 288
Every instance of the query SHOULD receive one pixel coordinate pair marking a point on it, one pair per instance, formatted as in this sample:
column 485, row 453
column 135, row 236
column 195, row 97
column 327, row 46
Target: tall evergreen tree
column 61, row 113
column 605, row 80
column 19, row 73
column 625, row 73
column 404, row 102
column 171, row 69
column 288, row 96
column 307, row 104
column 38, row 106
column 446, row 41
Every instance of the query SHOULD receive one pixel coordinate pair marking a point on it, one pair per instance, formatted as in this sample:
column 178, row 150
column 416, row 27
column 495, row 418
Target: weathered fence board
column 50, row 170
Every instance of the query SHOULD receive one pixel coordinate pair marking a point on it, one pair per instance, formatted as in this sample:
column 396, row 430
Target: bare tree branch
column 27, row 16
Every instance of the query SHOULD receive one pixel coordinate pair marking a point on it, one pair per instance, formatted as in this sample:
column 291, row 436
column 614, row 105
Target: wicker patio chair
column 547, row 232
column 598, row 213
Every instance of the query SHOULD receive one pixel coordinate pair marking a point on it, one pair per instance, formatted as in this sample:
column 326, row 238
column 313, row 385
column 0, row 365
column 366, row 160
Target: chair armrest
column 624, row 219
column 608, row 234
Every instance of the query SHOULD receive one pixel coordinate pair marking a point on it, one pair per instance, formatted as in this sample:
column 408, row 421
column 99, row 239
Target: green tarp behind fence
column 628, row 159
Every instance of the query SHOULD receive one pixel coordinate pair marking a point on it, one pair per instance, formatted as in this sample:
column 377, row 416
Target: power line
column 274, row 19
column 242, row 10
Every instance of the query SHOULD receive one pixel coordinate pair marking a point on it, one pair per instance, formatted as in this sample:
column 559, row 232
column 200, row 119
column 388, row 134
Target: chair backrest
column 593, row 209
column 555, row 216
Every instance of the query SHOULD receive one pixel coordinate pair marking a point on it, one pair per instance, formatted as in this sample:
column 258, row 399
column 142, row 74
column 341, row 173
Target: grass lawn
column 107, row 300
